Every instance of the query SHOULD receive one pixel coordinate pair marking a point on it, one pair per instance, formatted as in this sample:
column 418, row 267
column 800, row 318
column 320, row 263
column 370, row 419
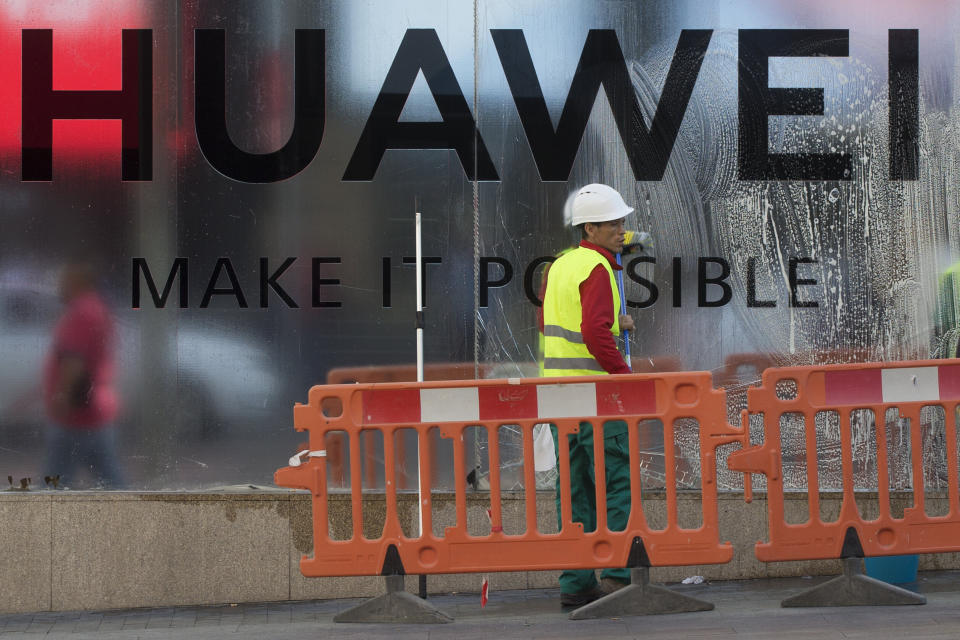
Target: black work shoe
column 580, row 598
column 609, row 585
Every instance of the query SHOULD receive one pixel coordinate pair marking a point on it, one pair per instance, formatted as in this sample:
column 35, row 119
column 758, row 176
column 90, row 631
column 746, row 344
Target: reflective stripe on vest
column 556, row 331
column 588, row 364
column 564, row 352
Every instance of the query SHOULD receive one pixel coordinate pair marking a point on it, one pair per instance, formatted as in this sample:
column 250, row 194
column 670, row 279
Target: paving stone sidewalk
column 744, row 609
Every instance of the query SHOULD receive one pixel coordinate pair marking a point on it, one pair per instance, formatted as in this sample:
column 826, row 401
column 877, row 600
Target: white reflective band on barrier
column 449, row 405
column 913, row 384
column 567, row 400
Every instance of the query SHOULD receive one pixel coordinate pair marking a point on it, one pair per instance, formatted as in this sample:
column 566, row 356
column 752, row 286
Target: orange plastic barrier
column 741, row 368
column 454, row 406
column 403, row 373
column 738, row 366
column 337, row 447
column 907, row 386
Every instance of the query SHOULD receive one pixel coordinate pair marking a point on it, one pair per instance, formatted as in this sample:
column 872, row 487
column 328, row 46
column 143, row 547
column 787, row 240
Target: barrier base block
column 853, row 589
column 640, row 598
column 396, row 606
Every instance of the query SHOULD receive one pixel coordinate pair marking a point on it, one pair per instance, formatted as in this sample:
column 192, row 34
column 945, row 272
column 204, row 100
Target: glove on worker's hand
column 636, row 242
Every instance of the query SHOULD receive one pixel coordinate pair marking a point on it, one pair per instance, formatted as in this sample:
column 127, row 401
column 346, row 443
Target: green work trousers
column 583, row 495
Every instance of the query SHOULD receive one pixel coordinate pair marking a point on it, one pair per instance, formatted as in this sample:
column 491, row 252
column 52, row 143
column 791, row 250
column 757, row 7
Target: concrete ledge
column 81, row 550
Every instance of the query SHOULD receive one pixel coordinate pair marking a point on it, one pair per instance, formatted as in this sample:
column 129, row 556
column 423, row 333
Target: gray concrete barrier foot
column 396, row 606
column 852, row 589
column 640, row 598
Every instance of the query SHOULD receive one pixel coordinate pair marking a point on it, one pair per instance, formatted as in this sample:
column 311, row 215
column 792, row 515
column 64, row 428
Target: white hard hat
column 598, row 203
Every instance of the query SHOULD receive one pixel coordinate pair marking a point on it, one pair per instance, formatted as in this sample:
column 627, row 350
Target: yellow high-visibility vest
column 947, row 313
column 948, row 303
column 564, row 353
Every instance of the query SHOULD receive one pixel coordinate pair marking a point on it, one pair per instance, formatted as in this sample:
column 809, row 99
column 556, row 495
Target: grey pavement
column 744, row 609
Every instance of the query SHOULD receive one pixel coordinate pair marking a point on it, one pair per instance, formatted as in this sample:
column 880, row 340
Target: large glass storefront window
column 209, row 207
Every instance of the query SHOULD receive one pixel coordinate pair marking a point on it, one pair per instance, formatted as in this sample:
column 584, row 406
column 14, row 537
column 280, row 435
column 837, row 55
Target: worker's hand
column 626, row 323
column 636, row 242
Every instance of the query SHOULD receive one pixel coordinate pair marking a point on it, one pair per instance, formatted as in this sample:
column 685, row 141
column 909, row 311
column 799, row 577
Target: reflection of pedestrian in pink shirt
column 78, row 384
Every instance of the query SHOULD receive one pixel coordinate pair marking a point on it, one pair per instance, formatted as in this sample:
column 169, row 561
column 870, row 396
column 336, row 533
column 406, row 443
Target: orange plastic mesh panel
column 453, row 407
column 337, row 448
column 403, row 372
column 736, row 365
column 846, row 389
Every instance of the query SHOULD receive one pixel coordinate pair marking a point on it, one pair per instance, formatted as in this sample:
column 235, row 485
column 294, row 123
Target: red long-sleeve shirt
column 596, row 303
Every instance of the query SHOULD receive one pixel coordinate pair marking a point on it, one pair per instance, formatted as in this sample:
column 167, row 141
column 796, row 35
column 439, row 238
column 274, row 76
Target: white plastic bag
column 544, row 457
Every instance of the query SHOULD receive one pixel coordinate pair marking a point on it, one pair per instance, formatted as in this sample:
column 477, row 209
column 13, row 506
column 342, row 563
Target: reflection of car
column 222, row 380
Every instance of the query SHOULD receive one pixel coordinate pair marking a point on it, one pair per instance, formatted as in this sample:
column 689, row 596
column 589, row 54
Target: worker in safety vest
column 947, row 324
column 633, row 242
column 581, row 316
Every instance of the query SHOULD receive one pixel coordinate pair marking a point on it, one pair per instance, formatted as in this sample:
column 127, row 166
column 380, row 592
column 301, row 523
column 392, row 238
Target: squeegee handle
column 623, row 307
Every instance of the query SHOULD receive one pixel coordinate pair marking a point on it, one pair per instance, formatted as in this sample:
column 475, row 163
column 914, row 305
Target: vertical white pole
column 419, row 278
column 419, row 263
